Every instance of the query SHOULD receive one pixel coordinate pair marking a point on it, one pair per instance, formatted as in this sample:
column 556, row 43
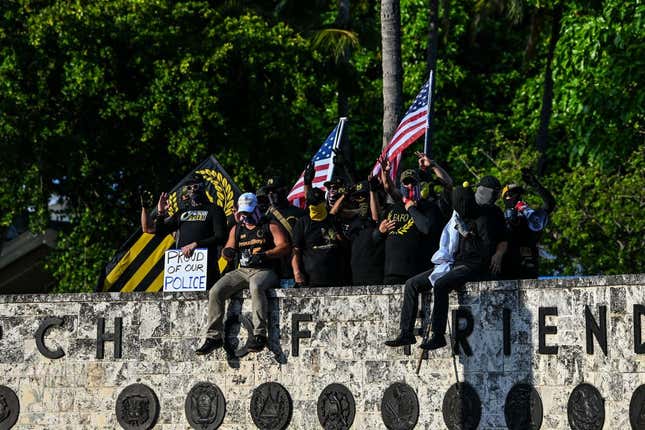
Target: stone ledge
column 567, row 282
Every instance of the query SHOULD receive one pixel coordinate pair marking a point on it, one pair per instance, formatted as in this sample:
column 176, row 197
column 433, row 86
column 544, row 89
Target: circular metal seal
column 586, row 408
column 523, row 408
column 205, row 406
column 137, row 407
column 637, row 409
column 462, row 408
column 271, row 406
column 336, row 407
column 400, row 407
column 9, row 408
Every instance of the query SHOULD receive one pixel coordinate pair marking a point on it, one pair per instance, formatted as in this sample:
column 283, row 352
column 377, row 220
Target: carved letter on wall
column 296, row 333
column 543, row 330
column 102, row 337
column 460, row 335
column 40, row 338
column 593, row 329
column 639, row 346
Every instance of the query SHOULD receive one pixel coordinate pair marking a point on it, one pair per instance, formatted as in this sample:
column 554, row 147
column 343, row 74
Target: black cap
column 274, row 182
column 336, row 180
column 490, row 182
column 361, row 187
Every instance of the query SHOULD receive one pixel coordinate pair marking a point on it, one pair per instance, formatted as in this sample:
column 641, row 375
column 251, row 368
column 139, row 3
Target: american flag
column 411, row 127
column 324, row 164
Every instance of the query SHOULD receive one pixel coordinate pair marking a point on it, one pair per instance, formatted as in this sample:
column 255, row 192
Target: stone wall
column 347, row 327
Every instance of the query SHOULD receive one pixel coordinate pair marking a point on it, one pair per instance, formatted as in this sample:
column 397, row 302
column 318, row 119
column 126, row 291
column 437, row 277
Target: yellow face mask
column 318, row 212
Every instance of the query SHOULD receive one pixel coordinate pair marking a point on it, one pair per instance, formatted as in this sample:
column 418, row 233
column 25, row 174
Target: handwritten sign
column 185, row 273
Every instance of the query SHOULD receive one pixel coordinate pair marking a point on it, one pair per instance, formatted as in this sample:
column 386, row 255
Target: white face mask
column 485, row 196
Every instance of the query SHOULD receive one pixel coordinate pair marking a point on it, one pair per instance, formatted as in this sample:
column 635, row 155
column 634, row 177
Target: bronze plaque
column 271, row 406
column 400, row 407
column 523, row 408
column 9, row 408
column 462, row 408
column 336, row 407
column 137, row 407
column 205, row 406
column 637, row 409
column 586, row 408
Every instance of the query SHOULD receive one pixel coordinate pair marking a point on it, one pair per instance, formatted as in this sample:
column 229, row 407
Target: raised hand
column 162, row 204
column 310, row 173
column 424, row 160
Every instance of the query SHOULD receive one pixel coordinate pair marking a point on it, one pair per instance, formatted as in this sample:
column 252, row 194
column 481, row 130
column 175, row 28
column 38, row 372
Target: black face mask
column 511, row 200
column 264, row 203
column 463, row 201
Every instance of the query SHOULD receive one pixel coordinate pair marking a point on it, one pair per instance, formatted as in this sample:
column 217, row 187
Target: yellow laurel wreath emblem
column 222, row 187
column 405, row 227
column 173, row 206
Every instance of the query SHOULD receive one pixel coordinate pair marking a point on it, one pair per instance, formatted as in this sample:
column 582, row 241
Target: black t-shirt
column 408, row 249
column 488, row 231
column 204, row 224
column 319, row 246
column 368, row 255
column 290, row 215
column 522, row 258
column 254, row 241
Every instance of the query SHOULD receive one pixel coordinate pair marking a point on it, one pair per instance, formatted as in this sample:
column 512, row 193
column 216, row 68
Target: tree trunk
column 392, row 68
column 342, row 21
column 547, row 98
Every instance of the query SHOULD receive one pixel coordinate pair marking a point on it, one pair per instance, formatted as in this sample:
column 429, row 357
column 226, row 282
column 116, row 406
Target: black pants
column 452, row 280
column 413, row 287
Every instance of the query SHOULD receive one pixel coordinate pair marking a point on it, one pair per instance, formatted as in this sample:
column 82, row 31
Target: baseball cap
column 247, row 202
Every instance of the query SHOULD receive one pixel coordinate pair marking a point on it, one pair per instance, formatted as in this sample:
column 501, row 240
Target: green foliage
column 99, row 98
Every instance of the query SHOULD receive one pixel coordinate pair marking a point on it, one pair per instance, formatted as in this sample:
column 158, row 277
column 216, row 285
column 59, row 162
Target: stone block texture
column 347, row 329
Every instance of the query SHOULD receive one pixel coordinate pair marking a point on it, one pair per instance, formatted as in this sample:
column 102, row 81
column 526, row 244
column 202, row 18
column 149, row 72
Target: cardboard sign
column 185, row 274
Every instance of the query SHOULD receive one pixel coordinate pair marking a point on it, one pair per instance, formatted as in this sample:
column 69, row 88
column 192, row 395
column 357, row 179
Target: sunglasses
column 192, row 187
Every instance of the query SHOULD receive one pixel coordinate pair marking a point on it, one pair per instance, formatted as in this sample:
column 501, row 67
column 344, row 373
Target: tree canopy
column 99, row 98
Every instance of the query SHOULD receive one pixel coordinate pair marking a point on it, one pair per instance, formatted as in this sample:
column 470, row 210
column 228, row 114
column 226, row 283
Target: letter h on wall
column 102, row 337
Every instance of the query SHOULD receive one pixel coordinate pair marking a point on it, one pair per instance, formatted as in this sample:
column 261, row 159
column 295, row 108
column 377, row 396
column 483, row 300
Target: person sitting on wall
column 197, row 224
column 482, row 245
column 260, row 243
column 316, row 241
column 525, row 227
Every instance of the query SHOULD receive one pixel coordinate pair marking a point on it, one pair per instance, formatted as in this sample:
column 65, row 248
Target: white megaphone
column 536, row 219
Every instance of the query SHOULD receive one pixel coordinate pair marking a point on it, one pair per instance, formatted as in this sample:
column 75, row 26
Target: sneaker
column 210, row 345
column 435, row 342
column 256, row 343
column 402, row 340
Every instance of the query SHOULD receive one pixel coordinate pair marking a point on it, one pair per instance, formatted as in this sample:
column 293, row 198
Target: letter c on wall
column 40, row 338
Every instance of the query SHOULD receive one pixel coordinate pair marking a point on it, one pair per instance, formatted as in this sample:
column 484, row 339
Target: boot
column 435, row 342
column 404, row 338
column 256, row 343
column 210, row 345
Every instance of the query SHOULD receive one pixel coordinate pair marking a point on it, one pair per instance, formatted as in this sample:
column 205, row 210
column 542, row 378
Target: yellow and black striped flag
column 138, row 265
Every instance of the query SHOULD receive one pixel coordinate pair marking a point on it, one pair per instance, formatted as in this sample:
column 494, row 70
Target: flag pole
column 428, row 134
column 337, row 140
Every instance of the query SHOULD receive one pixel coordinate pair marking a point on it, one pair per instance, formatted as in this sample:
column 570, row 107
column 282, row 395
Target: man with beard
column 259, row 244
column 197, row 224
column 481, row 249
column 316, row 243
column 525, row 227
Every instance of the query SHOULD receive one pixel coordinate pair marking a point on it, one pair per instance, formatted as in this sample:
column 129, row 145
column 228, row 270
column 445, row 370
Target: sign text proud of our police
column 185, row 273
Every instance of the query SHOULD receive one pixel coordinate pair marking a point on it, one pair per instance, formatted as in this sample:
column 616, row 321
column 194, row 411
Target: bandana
column 318, row 212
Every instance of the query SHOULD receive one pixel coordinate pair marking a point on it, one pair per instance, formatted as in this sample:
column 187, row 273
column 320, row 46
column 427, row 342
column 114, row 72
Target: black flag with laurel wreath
column 138, row 265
